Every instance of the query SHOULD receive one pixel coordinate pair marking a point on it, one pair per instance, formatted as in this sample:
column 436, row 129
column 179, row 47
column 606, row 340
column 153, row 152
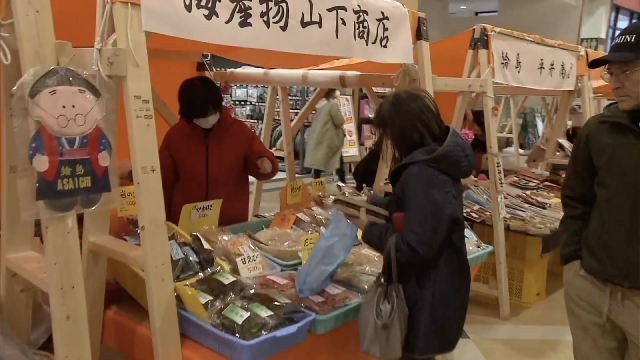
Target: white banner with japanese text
column 519, row 62
column 376, row 30
column 351, row 144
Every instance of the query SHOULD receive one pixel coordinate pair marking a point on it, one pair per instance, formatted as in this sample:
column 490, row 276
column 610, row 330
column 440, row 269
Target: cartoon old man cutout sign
column 69, row 151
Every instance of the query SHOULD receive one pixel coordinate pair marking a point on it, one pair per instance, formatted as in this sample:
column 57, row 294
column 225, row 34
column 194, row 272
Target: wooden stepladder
column 77, row 301
column 59, row 271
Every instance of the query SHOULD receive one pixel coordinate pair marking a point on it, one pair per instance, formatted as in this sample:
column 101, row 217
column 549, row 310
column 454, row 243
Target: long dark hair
column 409, row 120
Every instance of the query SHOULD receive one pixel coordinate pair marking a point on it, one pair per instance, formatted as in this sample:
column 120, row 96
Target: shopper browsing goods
column 210, row 155
column 430, row 248
column 326, row 138
column 601, row 223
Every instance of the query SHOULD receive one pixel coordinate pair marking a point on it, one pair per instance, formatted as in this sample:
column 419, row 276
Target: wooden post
column 267, row 127
column 62, row 276
column 496, row 174
column 287, row 134
column 145, row 161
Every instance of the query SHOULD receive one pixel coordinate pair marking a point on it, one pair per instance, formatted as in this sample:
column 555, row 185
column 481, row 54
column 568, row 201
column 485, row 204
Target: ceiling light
column 463, row 7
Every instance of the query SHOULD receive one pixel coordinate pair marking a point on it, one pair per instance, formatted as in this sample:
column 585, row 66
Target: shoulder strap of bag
column 390, row 251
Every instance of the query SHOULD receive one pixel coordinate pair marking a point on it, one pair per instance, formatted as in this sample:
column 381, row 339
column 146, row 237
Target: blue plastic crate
column 480, row 256
column 236, row 349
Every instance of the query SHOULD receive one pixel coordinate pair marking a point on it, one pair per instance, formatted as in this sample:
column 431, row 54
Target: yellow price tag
column 294, row 192
column 359, row 234
column 556, row 200
column 319, row 186
column 127, row 202
column 196, row 216
column 307, row 243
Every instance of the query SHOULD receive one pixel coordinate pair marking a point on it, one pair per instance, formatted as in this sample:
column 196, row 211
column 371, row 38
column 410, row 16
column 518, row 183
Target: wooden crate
column 527, row 266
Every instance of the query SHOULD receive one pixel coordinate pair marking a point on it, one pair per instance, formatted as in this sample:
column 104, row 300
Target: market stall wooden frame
column 77, row 301
column 480, row 66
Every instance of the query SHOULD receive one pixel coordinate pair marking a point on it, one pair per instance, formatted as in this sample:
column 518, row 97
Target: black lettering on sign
column 306, row 23
column 382, row 36
column 295, row 188
column 340, row 21
column 505, row 60
column 541, row 66
column 552, row 67
column 209, row 7
column 361, row 29
column 275, row 12
column 242, row 8
column 563, row 70
column 518, row 63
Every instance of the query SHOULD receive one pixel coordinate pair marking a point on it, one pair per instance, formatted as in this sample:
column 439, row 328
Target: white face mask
column 208, row 122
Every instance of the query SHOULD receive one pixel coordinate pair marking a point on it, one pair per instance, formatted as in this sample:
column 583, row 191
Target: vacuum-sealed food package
column 242, row 320
column 360, row 269
column 242, row 256
column 281, row 282
column 282, row 244
column 329, row 299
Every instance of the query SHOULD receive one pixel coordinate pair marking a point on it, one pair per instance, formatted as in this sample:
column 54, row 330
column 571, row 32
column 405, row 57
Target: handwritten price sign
column 127, row 202
column 250, row 265
column 319, row 186
column 283, row 220
column 194, row 217
column 294, row 192
column 306, row 245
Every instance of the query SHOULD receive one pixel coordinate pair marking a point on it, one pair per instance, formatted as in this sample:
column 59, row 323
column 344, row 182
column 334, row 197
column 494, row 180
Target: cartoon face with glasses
column 69, row 151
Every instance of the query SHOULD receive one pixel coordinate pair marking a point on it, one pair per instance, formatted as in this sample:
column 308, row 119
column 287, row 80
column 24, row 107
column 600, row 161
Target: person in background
column 431, row 159
column 210, row 155
column 474, row 124
column 600, row 228
column 326, row 138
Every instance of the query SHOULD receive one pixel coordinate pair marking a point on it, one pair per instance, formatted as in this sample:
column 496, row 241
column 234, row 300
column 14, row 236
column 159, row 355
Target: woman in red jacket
column 210, row 155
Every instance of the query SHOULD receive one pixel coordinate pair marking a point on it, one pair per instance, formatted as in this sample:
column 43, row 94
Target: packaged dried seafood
column 243, row 258
column 360, row 269
column 281, row 282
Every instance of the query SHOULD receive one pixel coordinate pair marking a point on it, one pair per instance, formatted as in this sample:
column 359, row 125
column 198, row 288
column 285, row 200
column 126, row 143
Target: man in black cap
column 601, row 223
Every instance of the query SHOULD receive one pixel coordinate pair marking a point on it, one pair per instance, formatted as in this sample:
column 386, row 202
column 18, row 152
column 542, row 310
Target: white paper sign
column 524, row 63
column 376, row 30
column 351, row 144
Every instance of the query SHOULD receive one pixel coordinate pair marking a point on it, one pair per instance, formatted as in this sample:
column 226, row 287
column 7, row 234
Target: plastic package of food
column 282, row 282
column 281, row 238
column 242, row 320
column 221, row 286
column 360, row 270
column 203, row 251
column 315, row 303
column 312, row 220
column 234, row 248
column 331, row 298
column 212, row 235
column 473, row 243
column 184, row 262
column 275, row 309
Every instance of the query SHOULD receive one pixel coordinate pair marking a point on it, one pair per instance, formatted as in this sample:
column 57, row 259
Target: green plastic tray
column 480, row 256
column 322, row 324
column 258, row 225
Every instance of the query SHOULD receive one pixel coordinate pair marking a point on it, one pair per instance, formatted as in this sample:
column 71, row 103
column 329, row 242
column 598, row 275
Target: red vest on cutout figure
column 397, row 220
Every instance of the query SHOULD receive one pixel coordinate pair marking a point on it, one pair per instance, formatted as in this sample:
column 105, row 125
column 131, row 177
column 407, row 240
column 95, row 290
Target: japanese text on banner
column 372, row 30
column 519, row 62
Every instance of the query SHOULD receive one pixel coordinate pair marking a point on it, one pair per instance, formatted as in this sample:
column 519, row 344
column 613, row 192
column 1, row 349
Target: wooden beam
column 267, row 128
column 163, row 109
column 308, row 108
column 287, row 134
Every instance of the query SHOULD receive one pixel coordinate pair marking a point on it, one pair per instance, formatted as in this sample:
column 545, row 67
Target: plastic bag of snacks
column 282, row 282
column 243, row 258
column 360, row 269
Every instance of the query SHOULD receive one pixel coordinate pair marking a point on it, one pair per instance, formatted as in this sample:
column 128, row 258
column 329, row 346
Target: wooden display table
column 126, row 330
